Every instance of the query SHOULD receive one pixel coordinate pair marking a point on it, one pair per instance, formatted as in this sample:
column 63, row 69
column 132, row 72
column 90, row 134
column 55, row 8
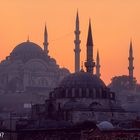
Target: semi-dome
column 26, row 50
column 82, row 80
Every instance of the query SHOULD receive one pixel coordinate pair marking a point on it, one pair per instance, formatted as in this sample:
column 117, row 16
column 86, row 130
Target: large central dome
column 27, row 47
column 26, row 50
column 82, row 80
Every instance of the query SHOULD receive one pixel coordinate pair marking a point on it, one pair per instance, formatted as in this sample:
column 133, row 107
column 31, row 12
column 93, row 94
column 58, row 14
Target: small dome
column 26, row 51
column 82, row 80
column 105, row 125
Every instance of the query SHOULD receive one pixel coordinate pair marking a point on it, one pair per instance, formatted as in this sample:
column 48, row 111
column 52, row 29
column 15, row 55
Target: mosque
column 28, row 74
column 82, row 95
column 60, row 101
column 126, row 87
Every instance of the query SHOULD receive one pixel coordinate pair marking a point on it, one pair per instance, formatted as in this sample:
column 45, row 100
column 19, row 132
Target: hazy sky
column 114, row 22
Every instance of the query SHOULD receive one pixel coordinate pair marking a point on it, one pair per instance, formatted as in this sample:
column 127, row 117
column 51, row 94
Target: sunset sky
column 114, row 22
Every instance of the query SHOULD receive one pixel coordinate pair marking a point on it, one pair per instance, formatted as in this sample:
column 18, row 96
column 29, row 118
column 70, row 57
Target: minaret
column 46, row 40
column 89, row 64
column 98, row 65
column 131, row 67
column 77, row 42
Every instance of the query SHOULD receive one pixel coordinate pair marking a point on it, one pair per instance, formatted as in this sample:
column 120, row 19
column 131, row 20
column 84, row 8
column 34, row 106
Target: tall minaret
column 89, row 64
column 131, row 67
column 46, row 40
column 77, row 42
column 98, row 65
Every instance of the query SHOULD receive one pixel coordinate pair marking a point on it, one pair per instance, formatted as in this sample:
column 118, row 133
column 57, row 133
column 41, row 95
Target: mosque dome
column 82, row 85
column 82, row 80
column 105, row 125
column 26, row 51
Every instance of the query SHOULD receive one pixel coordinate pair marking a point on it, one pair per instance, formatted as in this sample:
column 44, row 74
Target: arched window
column 94, row 93
column 97, row 93
column 80, row 92
column 66, row 92
column 73, row 92
column 70, row 93
column 100, row 93
column 87, row 92
column 83, row 92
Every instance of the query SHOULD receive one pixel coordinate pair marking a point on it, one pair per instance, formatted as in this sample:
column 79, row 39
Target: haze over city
column 114, row 22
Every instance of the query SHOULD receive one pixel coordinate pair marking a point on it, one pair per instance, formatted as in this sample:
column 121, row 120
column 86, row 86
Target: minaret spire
column 77, row 42
column 131, row 67
column 46, row 40
column 98, row 65
column 89, row 64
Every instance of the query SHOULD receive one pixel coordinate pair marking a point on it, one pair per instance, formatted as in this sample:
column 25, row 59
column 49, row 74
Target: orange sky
column 114, row 22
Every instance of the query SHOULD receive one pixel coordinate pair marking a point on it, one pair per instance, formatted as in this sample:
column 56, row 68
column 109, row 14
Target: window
column 100, row 93
column 87, row 92
column 67, row 91
column 80, row 92
column 73, row 92
column 94, row 93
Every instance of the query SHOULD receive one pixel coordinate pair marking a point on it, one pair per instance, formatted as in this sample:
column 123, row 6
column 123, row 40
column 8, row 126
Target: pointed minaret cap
column 45, row 36
column 45, row 32
column 130, row 44
column 89, row 39
column 45, row 43
column 77, row 16
column 98, row 54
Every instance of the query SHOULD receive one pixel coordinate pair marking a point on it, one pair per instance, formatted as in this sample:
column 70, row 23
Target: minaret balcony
column 89, row 64
column 77, row 32
column 77, row 41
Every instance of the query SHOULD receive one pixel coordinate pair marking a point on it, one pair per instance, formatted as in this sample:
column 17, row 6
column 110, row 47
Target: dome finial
column 28, row 40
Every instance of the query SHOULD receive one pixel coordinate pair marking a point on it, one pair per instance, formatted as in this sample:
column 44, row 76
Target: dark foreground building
column 83, row 131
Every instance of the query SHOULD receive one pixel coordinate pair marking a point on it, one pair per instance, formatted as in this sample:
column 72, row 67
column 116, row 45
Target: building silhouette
column 28, row 75
column 74, row 101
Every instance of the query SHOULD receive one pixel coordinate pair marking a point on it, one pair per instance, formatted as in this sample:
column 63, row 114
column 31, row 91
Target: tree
column 120, row 83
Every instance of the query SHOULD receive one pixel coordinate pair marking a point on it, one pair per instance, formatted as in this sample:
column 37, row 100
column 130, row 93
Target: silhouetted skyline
column 113, row 24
